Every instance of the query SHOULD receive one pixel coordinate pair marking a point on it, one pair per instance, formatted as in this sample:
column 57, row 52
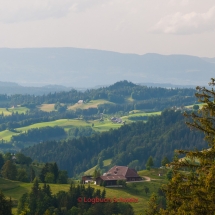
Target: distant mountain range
column 85, row 68
column 10, row 88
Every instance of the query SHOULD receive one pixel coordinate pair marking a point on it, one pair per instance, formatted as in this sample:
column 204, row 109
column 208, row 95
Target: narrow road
column 146, row 178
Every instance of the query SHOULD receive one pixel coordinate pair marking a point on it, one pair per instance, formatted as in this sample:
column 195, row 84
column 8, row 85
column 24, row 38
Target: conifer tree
column 153, row 208
column 5, row 205
column 164, row 161
column 9, row 170
column 149, row 163
column 192, row 191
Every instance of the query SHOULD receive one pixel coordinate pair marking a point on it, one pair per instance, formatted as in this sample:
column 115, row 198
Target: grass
column 154, row 173
column 138, row 113
column 64, row 123
column 6, row 135
column 100, row 126
column 106, row 126
column 5, row 112
column 144, row 113
column 9, row 111
column 16, row 189
column 107, row 162
column 91, row 104
column 46, row 107
column 91, row 170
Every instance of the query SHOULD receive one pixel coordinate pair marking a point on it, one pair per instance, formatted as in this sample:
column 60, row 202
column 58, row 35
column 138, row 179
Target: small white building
column 80, row 101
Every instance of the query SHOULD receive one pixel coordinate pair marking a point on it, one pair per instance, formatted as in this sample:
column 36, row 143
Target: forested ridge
column 117, row 93
column 159, row 137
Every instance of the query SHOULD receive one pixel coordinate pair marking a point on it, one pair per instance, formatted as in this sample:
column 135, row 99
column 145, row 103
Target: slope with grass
column 90, row 104
column 9, row 111
column 90, row 171
column 98, row 125
column 46, row 107
column 64, row 123
column 15, row 190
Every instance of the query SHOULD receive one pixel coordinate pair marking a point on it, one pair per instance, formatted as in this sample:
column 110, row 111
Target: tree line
column 158, row 137
column 40, row 200
column 114, row 93
column 20, row 167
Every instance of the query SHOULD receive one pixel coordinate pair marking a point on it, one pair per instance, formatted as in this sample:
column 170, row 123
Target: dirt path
column 147, row 178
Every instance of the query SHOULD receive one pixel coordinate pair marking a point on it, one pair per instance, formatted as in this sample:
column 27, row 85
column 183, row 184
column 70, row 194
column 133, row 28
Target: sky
column 125, row 26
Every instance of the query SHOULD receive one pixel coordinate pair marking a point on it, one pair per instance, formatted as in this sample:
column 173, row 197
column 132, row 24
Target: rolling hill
column 77, row 67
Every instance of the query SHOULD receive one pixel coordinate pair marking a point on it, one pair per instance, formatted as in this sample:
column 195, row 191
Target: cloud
column 12, row 11
column 190, row 23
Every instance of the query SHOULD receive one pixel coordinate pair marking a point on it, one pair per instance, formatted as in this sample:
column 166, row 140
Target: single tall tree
column 149, row 163
column 165, row 161
column 9, row 170
column 192, row 191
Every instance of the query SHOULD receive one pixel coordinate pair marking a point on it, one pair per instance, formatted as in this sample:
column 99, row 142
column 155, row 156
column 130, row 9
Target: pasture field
column 100, row 126
column 129, row 99
column 90, row 104
column 154, row 173
column 64, row 123
column 9, row 111
column 6, row 135
column 91, row 171
column 105, row 125
column 46, row 107
column 5, row 112
column 107, row 162
column 15, row 190
column 138, row 113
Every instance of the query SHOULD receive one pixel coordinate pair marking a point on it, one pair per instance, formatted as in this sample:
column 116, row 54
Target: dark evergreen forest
column 116, row 93
column 159, row 137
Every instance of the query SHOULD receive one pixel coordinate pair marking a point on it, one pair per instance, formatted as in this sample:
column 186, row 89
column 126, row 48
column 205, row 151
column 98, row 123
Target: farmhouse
column 118, row 173
column 80, row 102
column 87, row 179
column 116, row 120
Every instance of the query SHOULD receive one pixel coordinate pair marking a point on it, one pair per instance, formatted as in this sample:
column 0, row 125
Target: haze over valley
column 87, row 68
column 107, row 107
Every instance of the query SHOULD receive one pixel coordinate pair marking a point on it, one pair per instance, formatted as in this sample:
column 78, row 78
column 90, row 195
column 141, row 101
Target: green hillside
column 16, row 189
column 131, row 144
column 90, row 171
column 9, row 111
column 98, row 125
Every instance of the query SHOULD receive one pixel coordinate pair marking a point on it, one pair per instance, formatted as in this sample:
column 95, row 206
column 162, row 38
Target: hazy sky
column 127, row 26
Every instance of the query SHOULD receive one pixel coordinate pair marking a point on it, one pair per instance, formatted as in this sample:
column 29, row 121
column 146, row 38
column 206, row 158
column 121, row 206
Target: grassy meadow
column 97, row 125
column 91, row 170
column 46, row 107
column 15, row 190
column 90, row 104
column 64, row 123
column 9, row 111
